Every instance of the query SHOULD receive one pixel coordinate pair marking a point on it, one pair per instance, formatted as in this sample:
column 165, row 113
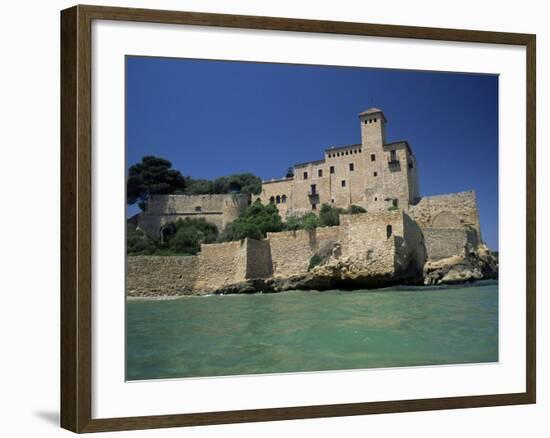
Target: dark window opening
column 343, row 183
column 314, row 206
column 278, row 199
column 375, row 173
column 410, row 164
column 313, row 189
column 198, row 208
column 305, row 175
column 394, row 202
column 320, row 173
column 351, row 167
column 374, row 121
column 283, row 199
column 393, row 155
column 376, row 199
column 331, row 169
column 389, row 231
column 372, row 157
column 272, row 200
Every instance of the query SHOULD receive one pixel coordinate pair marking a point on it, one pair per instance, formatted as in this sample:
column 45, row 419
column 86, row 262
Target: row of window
column 371, row 121
column 331, row 169
column 277, row 199
column 348, row 152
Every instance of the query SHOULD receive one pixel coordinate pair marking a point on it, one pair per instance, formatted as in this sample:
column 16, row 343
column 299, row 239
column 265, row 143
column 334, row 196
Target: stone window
column 359, row 150
column 320, row 173
column 331, row 169
column 393, row 155
column 305, row 175
column 314, row 206
column 343, row 183
column 394, row 202
column 278, row 199
column 375, row 198
column 198, row 208
column 332, row 200
column 283, row 199
column 272, row 200
column 375, row 173
column 374, row 120
column 410, row 164
column 351, row 167
column 372, row 157
column 389, row 231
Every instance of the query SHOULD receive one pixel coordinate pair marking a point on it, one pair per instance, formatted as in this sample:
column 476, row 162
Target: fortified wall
column 449, row 223
column 382, row 244
column 219, row 210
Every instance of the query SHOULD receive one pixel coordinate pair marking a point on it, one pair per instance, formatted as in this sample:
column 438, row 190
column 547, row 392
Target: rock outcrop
column 477, row 265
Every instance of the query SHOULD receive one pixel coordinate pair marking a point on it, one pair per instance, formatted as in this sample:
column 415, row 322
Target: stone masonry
column 385, row 245
column 219, row 210
column 373, row 174
column 400, row 234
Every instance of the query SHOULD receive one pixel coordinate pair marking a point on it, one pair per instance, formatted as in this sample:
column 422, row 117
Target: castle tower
column 373, row 136
column 391, row 179
column 373, row 129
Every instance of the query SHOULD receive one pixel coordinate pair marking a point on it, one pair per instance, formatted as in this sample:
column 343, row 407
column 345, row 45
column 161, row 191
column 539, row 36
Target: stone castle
column 396, row 239
column 373, row 174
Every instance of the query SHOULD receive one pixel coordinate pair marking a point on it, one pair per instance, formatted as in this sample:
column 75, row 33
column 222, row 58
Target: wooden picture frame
column 76, row 218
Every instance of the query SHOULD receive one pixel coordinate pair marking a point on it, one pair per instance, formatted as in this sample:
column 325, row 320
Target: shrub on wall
column 355, row 209
column 183, row 237
column 255, row 222
column 137, row 243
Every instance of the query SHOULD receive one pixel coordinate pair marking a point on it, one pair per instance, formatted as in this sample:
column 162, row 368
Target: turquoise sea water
column 311, row 331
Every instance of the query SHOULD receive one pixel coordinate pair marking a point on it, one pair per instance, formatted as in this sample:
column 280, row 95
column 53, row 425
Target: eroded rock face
column 478, row 265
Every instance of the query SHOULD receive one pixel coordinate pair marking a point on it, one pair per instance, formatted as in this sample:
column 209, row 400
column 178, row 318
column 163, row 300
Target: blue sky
column 214, row 118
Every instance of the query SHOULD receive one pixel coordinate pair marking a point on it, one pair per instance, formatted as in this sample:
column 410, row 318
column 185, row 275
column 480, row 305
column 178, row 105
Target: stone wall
column 447, row 242
column 411, row 253
column 456, row 210
column 291, row 251
column 221, row 264
column 219, row 210
column 366, row 239
column 154, row 275
column 258, row 259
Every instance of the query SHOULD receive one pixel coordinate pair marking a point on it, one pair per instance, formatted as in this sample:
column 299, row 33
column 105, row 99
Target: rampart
column 455, row 210
column 291, row 251
column 377, row 245
column 216, row 209
column 446, row 242
column 154, row 275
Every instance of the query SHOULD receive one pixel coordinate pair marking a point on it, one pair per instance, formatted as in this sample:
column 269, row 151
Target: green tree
column 310, row 221
column 329, row 216
column 152, row 176
column 255, row 222
column 137, row 243
column 238, row 183
column 198, row 186
column 355, row 209
column 189, row 234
